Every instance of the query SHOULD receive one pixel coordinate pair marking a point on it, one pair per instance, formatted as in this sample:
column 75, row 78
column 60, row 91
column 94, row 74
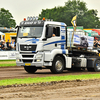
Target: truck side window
column 56, row 31
column 46, row 32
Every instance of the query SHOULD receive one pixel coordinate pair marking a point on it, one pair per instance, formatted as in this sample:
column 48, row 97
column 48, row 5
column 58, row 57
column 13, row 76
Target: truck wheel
column 97, row 65
column 58, row 65
column 30, row 69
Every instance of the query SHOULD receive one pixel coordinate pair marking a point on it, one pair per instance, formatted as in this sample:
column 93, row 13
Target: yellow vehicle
column 10, row 36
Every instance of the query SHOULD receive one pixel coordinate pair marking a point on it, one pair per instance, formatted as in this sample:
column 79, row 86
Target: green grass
column 7, row 63
column 6, row 60
column 48, row 79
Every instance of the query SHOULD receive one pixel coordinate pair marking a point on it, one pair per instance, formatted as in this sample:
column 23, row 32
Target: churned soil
column 62, row 90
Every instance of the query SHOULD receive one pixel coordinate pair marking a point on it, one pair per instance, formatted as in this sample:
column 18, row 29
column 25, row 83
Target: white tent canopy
column 2, row 33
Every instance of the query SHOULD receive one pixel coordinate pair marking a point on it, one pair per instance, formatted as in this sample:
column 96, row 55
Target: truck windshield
column 29, row 32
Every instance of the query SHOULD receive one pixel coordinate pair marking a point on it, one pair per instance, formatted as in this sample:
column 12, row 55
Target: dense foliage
column 86, row 18
column 6, row 19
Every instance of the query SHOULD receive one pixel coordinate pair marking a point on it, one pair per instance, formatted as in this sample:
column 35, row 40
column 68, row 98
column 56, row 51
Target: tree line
column 6, row 18
column 86, row 18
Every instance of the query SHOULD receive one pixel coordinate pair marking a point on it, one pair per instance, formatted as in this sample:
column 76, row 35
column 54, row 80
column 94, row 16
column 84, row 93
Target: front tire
column 58, row 65
column 30, row 69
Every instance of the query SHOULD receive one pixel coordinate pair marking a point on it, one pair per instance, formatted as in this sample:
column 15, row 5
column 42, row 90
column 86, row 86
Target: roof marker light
column 43, row 18
column 24, row 19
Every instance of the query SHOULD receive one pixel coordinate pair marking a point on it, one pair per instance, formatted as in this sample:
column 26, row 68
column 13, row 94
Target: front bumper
column 37, row 64
column 26, row 59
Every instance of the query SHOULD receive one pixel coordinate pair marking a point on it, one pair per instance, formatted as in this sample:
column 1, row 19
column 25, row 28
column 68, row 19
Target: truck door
column 53, row 37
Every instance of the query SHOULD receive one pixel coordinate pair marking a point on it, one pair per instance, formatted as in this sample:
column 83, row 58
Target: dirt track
column 66, row 90
column 19, row 72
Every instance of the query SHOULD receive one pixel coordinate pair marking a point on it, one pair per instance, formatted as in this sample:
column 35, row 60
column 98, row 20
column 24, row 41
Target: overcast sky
column 22, row 8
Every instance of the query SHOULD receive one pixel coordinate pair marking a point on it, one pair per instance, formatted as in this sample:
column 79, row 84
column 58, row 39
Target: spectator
column 8, row 45
column 99, row 44
column 3, row 46
column 13, row 45
column 95, row 43
column 0, row 44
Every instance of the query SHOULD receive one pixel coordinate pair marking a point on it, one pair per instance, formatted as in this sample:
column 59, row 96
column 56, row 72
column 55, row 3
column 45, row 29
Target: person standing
column 95, row 44
column 8, row 45
column 5, row 44
column 13, row 45
column 99, row 44
column 0, row 44
column 3, row 48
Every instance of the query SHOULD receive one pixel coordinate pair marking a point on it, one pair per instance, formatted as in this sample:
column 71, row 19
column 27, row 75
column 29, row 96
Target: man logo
column 27, row 47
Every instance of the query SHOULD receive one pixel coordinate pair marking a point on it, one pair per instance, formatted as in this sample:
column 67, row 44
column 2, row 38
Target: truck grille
column 27, row 61
column 28, row 47
column 27, row 56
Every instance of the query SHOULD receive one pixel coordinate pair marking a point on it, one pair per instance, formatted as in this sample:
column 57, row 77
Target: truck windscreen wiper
column 24, row 37
column 34, row 37
column 28, row 37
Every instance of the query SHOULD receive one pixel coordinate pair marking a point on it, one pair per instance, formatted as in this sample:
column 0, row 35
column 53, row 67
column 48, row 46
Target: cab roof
column 41, row 23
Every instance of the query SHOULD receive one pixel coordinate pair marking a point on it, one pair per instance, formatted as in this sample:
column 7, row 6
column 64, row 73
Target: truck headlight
column 39, row 56
column 17, row 60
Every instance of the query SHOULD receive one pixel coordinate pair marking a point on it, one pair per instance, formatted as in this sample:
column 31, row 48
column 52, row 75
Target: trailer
column 49, row 44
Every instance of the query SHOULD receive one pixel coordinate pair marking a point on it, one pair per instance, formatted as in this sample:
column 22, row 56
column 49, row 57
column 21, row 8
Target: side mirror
column 50, row 31
column 16, row 27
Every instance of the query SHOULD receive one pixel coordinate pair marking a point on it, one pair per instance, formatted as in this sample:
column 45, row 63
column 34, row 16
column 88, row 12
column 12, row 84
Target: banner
column 83, row 41
column 7, row 55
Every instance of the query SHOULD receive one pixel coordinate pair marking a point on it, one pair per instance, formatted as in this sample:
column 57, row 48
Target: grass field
column 48, row 79
column 7, row 63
